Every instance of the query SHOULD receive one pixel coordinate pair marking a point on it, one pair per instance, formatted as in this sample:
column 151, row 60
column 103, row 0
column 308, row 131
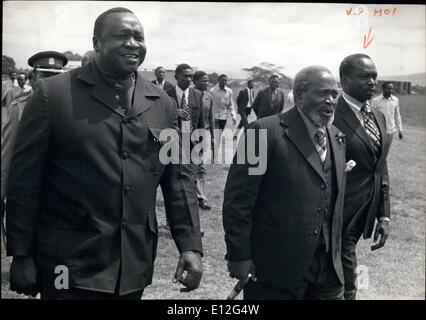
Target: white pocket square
column 350, row 165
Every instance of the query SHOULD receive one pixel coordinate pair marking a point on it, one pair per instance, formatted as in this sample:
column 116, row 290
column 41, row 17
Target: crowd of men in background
column 106, row 116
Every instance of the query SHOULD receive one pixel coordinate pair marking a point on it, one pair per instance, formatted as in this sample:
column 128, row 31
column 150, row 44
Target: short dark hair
column 250, row 80
column 198, row 75
column 99, row 23
column 222, row 76
column 30, row 75
column 274, row 75
column 158, row 68
column 386, row 83
column 181, row 67
column 348, row 64
column 23, row 74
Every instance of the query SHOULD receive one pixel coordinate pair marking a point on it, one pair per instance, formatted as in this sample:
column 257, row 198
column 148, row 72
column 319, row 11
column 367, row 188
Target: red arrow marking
column 367, row 39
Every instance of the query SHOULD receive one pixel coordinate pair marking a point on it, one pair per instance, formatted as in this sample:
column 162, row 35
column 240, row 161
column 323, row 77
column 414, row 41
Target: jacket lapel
column 173, row 95
column 101, row 91
column 338, row 153
column 295, row 129
column 352, row 121
column 145, row 92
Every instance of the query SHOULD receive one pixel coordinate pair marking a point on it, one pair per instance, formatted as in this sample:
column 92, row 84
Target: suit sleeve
column 240, row 196
column 384, row 202
column 239, row 98
column 256, row 102
column 282, row 102
column 25, row 182
column 9, row 131
column 180, row 201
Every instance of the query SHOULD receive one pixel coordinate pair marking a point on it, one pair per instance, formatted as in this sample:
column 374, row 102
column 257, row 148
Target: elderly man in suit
column 160, row 75
column 270, row 100
column 84, row 176
column 284, row 226
column 367, row 190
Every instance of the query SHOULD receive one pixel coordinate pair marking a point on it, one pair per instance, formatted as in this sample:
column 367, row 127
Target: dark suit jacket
column 275, row 219
column 367, row 191
column 195, row 103
column 83, row 182
column 242, row 100
column 167, row 85
column 263, row 105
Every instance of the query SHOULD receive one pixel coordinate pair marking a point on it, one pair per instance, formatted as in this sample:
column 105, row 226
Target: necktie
column 250, row 97
column 274, row 95
column 184, row 115
column 321, row 144
column 371, row 127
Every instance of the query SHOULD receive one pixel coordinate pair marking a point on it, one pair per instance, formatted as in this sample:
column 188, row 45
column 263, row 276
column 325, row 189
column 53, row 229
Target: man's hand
column 183, row 114
column 382, row 229
column 400, row 135
column 189, row 261
column 241, row 269
column 23, row 276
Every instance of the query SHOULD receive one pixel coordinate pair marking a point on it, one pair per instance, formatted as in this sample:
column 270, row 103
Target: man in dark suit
column 367, row 190
column 284, row 226
column 188, row 100
column 84, row 177
column 244, row 101
column 160, row 75
column 270, row 100
column 189, row 107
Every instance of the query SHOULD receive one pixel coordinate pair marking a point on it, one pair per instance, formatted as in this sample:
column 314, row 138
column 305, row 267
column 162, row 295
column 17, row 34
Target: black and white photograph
column 219, row 151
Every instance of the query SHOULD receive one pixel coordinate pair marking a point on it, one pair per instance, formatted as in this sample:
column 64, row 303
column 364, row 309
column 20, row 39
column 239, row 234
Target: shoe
column 204, row 204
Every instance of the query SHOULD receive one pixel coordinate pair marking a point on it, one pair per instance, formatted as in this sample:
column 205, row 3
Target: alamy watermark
column 197, row 147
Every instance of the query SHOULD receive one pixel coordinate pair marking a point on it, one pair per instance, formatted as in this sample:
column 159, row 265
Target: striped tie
column 371, row 127
column 184, row 113
column 321, row 144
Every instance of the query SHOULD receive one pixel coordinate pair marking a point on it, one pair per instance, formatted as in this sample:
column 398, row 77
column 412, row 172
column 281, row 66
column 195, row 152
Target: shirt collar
column 353, row 103
column 312, row 129
column 179, row 92
column 390, row 98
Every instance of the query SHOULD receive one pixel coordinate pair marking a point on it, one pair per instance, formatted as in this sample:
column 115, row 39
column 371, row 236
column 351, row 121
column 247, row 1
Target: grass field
column 396, row 271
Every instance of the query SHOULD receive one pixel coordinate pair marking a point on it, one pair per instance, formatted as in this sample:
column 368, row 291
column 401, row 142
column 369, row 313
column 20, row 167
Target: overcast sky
column 228, row 36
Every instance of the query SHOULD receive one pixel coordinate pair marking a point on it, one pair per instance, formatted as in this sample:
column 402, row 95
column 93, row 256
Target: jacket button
column 322, row 185
column 316, row 231
column 125, row 154
column 319, row 209
column 123, row 223
column 128, row 188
